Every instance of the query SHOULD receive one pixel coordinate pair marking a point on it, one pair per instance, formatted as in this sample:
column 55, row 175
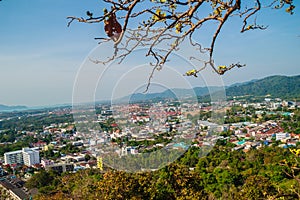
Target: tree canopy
column 265, row 173
column 161, row 26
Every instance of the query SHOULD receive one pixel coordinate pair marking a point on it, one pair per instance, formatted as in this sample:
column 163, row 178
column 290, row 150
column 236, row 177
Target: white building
column 46, row 162
column 31, row 156
column 27, row 156
column 282, row 136
column 13, row 157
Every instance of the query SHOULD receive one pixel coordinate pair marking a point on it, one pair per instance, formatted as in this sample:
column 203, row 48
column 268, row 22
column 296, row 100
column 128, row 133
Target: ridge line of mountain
column 279, row 86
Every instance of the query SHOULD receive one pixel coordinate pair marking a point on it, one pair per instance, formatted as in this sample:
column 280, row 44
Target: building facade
column 61, row 167
column 30, row 156
column 13, row 157
column 27, row 156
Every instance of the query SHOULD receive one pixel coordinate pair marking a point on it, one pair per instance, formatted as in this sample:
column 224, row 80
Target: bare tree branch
column 169, row 22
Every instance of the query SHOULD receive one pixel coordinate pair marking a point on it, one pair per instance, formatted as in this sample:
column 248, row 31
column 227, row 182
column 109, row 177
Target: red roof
column 114, row 125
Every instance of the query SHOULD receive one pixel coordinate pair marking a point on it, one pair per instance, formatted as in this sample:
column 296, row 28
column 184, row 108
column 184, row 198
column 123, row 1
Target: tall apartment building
column 31, row 156
column 27, row 156
column 13, row 157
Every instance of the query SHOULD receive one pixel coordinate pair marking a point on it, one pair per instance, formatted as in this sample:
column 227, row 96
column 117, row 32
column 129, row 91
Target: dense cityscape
column 38, row 142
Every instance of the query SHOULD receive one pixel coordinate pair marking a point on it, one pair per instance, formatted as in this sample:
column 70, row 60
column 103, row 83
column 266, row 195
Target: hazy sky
column 40, row 56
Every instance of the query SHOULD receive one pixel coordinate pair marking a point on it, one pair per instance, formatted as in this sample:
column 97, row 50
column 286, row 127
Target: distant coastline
column 276, row 86
column 6, row 108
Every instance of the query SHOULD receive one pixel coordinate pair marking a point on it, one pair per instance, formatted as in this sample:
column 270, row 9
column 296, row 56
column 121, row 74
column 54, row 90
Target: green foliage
column 14, row 129
column 222, row 174
column 34, row 121
column 45, row 181
column 292, row 124
column 15, row 146
column 69, row 148
column 276, row 86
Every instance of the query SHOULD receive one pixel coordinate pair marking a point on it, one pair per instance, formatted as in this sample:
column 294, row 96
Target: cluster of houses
column 247, row 135
column 145, row 122
column 138, row 122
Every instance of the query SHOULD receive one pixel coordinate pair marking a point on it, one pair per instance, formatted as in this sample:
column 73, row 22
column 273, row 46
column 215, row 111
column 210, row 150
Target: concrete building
column 27, row 156
column 13, row 157
column 46, row 162
column 282, row 136
column 61, row 167
column 30, row 156
column 12, row 190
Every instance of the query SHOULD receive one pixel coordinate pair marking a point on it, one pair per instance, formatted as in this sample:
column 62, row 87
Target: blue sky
column 40, row 56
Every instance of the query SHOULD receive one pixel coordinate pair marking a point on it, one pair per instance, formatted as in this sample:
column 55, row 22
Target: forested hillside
column 286, row 87
column 276, row 86
column 267, row 173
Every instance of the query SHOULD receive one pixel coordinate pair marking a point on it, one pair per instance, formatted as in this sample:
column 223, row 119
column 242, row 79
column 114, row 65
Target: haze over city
column 40, row 56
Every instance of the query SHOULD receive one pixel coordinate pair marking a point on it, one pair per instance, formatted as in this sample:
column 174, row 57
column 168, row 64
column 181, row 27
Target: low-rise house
column 14, row 188
column 61, row 167
column 45, row 162
column 282, row 136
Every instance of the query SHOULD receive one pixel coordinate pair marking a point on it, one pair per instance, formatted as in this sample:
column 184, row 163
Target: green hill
column 276, row 86
column 286, row 87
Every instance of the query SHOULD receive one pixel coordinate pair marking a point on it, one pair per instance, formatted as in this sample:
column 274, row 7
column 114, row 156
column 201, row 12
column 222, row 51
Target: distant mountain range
column 286, row 87
column 276, row 86
column 170, row 94
column 11, row 108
